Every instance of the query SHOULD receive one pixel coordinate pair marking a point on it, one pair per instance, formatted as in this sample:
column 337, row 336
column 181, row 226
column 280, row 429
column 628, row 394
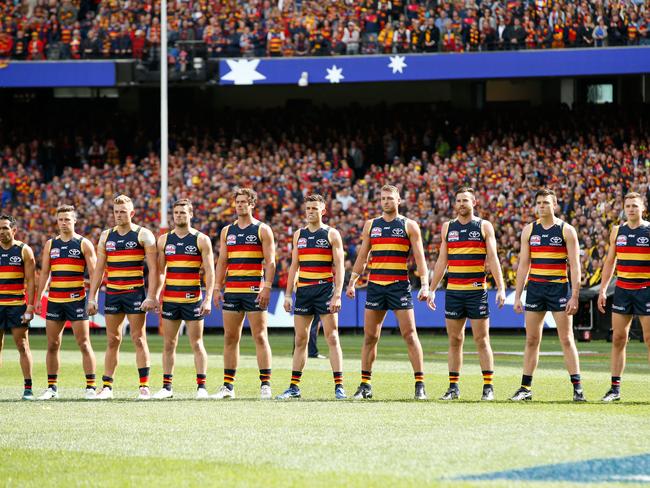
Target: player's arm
column 98, row 275
column 148, row 241
column 573, row 252
column 493, row 262
column 205, row 246
column 339, row 269
column 293, row 272
column 162, row 262
column 608, row 269
column 43, row 278
column 89, row 255
column 30, row 281
column 440, row 267
column 268, row 250
column 362, row 259
column 222, row 266
column 415, row 236
column 523, row 267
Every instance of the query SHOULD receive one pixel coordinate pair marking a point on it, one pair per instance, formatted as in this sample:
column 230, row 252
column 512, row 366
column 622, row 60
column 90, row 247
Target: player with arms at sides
column 182, row 253
column 317, row 261
column 121, row 253
column 467, row 245
column 629, row 254
column 17, row 278
column 388, row 240
column 65, row 260
column 244, row 277
column 547, row 246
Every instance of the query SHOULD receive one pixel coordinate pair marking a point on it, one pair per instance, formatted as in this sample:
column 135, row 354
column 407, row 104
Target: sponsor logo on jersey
column 131, row 245
column 621, row 241
column 74, row 253
column 190, row 249
column 398, row 232
column 474, row 235
column 556, row 241
column 453, row 235
column 251, row 238
column 15, row 260
column 322, row 243
column 55, row 253
column 535, row 240
column 302, row 243
column 231, row 240
column 170, row 249
column 110, row 246
column 190, row 295
column 643, row 241
column 375, row 232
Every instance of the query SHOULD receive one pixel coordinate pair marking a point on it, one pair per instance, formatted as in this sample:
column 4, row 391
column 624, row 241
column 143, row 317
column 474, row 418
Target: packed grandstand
column 95, row 29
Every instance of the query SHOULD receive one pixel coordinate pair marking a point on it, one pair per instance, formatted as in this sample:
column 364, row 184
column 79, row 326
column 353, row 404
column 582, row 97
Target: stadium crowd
column 91, row 29
column 591, row 157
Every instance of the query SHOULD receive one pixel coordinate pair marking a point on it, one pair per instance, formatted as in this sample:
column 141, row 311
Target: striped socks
column 229, row 378
column 265, row 377
column 107, row 382
column 454, row 377
column 143, row 373
column 200, row 380
column 419, row 378
column 366, row 377
column 616, row 384
column 295, row 380
column 167, row 381
column 90, row 382
column 51, row 381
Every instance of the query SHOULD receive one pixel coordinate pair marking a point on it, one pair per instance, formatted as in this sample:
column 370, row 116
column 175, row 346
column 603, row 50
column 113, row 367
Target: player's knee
column 23, row 347
column 260, row 338
column 301, row 341
column 619, row 340
column 53, row 346
column 332, row 338
column 84, row 346
column 371, row 339
column 533, row 340
column 113, row 341
column 139, row 339
column 410, row 337
column 230, row 339
column 566, row 340
column 482, row 341
column 197, row 346
column 170, row 345
column 456, row 340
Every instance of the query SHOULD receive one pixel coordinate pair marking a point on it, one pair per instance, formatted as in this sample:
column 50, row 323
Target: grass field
column 389, row 441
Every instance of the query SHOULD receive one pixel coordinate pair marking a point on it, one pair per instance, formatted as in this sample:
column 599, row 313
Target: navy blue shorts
column 181, row 311
column 547, row 297
column 471, row 304
column 128, row 303
column 11, row 316
column 631, row 302
column 73, row 311
column 396, row 296
column 313, row 299
column 241, row 302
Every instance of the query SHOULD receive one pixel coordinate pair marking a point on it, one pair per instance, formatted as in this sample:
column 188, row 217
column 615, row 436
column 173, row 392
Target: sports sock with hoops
column 338, row 378
column 229, row 378
column 488, row 376
column 419, row 378
column 28, row 384
column 366, row 377
column 51, row 381
column 527, row 381
column 265, row 377
column 143, row 373
column 454, row 376
column 200, row 380
column 107, row 382
column 616, row 384
column 90, row 382
column 167, row 381
column 575, row 381
column 295, row 380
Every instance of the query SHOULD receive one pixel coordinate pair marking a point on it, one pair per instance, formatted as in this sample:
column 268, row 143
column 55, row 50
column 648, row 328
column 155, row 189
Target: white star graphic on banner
column 397, row 63
column 243, row 71
column 334, row 74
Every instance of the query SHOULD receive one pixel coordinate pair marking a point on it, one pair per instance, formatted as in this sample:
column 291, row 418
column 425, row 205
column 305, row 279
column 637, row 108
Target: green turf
column 389, row 441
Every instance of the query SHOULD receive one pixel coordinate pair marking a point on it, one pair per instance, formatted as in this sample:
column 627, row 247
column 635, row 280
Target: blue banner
column 32, row 74
column 413, row 67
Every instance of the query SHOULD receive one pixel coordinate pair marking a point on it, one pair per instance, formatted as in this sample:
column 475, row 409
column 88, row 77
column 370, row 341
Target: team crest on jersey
column 642, row 241
column 170, row 249
column 131, row 245
column 74, row 253
column 375, row 232
column 474, row 235
column 302, row 243
column 55, row 253
column 398, row 232
column 322, row 243
column 190, row 250
column 251, row 238
column 621, row 241
column 110, row 246
column 535, row 240
column 231, row 240
column 556, row 241
column 453, row 235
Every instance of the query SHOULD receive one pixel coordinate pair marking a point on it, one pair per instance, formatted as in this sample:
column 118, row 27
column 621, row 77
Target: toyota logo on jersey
column 556, row 241
column 75, row 253
column 643, row 241
column 322, row 243
column 131, row 245
column 251, row 238
column 15, row 260
column 190, row 249
column 398, row 232
column 474, row 235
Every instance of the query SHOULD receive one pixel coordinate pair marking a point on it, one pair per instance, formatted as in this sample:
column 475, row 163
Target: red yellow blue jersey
column 548, row 254
column 466, row 253
column 245, row 257
column 315, row 257
column 125, row 261
column 67, row 270
column 633, row 257
column 183, row 276
column 12, row 276
column 389, row 250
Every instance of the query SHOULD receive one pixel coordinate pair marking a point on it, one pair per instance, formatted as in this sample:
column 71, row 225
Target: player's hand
column 28, row 315
column 519, row 307
column 288, row 303
column 92, row 307
column 217, row 299
column 350, row 292
column 335, row 304
column 423, row 294
column 431, row 300
column 501, row 298
column 206, row 307
column 149, row 305
column 264, row 297
column 572, row 306
column 38, row 308
column 602, row 301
